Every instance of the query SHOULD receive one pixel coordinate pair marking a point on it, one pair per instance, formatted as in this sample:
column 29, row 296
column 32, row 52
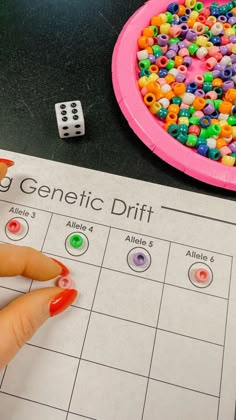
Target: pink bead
column 184, row 52
column 211, row 95
column 202, row 275
column 175, row 31
column 150, row 42
column 64, row 282
column 199, row 80
column 218, row 56
column 182, row 69
column 198, row 114
column 210, row 63
column 188, row 43
column 184, row 106
column 162, row 81
column 213, row 51
column 164, row 49
column 144, row 91
column 199, row 28
column 225, row 150
column 230, row 46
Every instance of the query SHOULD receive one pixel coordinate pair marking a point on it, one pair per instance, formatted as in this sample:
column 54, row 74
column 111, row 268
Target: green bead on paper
column 76, row 241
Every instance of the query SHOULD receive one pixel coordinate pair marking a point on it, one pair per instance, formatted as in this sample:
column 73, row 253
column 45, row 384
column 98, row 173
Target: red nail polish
column 7, row 162
column 61, row 301
column 65, row 271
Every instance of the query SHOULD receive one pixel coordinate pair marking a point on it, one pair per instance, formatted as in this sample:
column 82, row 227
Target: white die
column 70, row 119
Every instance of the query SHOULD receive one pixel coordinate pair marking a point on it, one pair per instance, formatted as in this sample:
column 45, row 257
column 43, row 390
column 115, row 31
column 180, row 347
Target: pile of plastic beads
column 200, row 114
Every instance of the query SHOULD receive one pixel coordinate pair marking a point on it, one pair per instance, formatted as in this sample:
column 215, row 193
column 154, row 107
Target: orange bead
column 217, row 82
column 181, row 11
column 225, row 107
column 173, row 108
column 170, row 79
column 234, row 10
column 226, row 131
column 149, row 50
column 143, row 42
column 149, row 99
column 191, row 22
column 149, row 32
column 179, row 89
column 199, row 103
column 169, row 95
column 178, row 61
column 172, row 117
column 226, row 26
column 160, row 95
column 214, row 121
column 154, row 68
column 230, row 95
column 156, row 21
column 167, row 125
column 153, row 87
column 220, row 143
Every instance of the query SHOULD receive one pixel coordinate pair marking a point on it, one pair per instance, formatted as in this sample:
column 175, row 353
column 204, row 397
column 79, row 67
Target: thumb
column 21, row 318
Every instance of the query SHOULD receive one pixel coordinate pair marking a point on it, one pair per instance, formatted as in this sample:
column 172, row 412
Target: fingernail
column 7, row 162
column 64, row 270
column 62, row 301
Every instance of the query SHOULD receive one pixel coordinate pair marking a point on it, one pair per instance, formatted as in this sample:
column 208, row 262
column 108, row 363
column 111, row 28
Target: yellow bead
column 153, row 77
column 212, row 18
column 194, row 14
column 190, row 3
column 165, row 28
column 143, row 81
column 234, row 49
column 183, row 120
column 234, row 131
column 155, row 108
column 228, row 160
column 201, row 41
column 163, row 17
column 230, row 32
column 208, row 45
column 222, row 122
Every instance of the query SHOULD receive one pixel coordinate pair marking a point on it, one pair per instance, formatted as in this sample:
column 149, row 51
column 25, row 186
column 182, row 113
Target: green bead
column 158, row 54
column 219, row 91
column 229, row 5
column 217, row 103
column 194, row 120
column 214, row 4
column 173, row 41
column 155, row 29
column 156, row 49
column 169, row 17
column 176, row 100
column 192, row 109
column 76, row 241
column 198, row 6
column 173, row 130
column 201, row 140
column 203, row 133
column 208, row 76
column 214, row 154
column 184, row 113
column 234, row 2
column 231, row 120
column 214, row 130
column 170, row 64
column 234, row 155
column 234, row 26
column 183, row 129
column 144, row 64
column 191, row 141
column 210, row 101
column 193, row 49
column 162, row 113
column 182, row 138
column 207, row 86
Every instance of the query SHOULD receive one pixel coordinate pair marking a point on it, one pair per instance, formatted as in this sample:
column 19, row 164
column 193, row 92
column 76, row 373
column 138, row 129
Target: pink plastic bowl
column 144, row 124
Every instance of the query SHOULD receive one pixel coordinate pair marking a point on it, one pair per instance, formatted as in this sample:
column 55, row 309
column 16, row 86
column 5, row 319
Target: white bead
column 188, row 98
column 201, row 53
column 175, row 72
column 142, row 55
column 176, row 18
column 165, row 88
column 217, row 28
column 234, row 78
column 228, row 139
column 223, row 116
column 164, row 102
column 211, row 143
column 226, row 61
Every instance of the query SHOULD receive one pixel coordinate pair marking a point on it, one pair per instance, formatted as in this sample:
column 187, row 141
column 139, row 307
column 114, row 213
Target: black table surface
column 60, row 50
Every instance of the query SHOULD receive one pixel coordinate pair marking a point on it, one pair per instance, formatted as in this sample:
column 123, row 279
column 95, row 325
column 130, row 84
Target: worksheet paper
column 147, row 339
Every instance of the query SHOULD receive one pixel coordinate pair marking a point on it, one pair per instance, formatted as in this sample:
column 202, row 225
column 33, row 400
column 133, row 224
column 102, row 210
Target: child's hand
column 20, row 319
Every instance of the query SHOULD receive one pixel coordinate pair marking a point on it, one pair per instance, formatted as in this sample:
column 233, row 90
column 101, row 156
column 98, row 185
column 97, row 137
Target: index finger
column 4, row 165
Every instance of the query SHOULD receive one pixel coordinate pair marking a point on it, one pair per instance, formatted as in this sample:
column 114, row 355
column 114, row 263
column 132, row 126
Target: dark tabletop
column 60, row 50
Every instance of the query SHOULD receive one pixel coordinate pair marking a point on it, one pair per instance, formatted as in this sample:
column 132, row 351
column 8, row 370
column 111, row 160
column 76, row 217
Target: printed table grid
column 68, row 412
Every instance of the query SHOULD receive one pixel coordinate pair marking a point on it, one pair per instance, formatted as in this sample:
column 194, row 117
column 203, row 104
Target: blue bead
column 215, row 114
column 173, row 8
column 215, row 39
column 191, row 87
column 215, row 11
column 226, row 74
column 202, row 149
column 144, row 72
column 229, row 15
column 233, row 110
column 205, row 121
column 163, row 73
column 183, row 19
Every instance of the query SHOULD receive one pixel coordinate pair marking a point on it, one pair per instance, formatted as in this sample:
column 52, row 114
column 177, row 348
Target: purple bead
column 233, row 38
column 152, row 58
column 232, row 20
column 222, row 19
column 228, row 84
column 181, row 45
column 188, row 11
column 174, row 47
column 216, row 73
column 187, row 61
column 224, row 50
column 208, row 109
column 233, row 68
column 139, row 259
column 180, row 78
column 232, row 146
column 219, row 67
column 163, row 40
column 233, row 58
column 191, row 35
column 170, row 54
column 199, row 92
column 184, row 29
